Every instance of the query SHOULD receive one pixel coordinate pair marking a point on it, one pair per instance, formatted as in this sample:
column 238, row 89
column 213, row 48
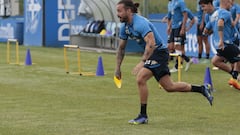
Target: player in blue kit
column 208, row 9
column 200, row 37
column 154, row 61
column 171, row 48
column 191, row 19
column 223, row 32
column 235, row 12
column 177, row 16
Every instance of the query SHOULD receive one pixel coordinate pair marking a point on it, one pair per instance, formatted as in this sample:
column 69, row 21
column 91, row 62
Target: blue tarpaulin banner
column 33, row 25
column 49, row 27
column 11, row 27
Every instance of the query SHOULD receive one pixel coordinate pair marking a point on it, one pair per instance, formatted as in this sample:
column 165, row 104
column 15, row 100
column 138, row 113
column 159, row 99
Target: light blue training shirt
column 228, row 30
column 138, row 29
column 175, row 12
column 199, row 13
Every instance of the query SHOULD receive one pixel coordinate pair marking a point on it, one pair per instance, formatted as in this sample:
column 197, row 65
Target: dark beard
column 122, row 20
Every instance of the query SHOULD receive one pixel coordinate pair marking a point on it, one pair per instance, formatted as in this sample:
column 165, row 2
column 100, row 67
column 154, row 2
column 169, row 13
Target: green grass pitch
column 42, row 99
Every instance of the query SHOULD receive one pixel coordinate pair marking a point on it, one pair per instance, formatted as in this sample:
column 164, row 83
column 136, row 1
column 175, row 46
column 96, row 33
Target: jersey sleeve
column 225, row 16
column 169, row 15
column 209, row 26
column 238, row 8
column 143, row 28
column 190, row 14
column 206, row 18
column 183, row 7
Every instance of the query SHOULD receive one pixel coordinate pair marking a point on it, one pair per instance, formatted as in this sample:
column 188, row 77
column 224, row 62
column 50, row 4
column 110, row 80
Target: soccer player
column 209, row 9
column 221, row 25
column 191, row 19
column 177, row 15
column 154, row 61
column 171, row 48
column 200, row 37
column 235, row 12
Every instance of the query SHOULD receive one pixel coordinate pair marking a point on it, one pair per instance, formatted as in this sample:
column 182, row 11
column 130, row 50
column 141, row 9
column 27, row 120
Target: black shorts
column 176, row 37
column 230, row 53
column 200, row 32
column 158, row 63
column 236, row 42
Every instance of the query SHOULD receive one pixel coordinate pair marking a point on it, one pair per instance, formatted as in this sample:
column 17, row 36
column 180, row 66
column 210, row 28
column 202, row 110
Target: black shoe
column 207, row 93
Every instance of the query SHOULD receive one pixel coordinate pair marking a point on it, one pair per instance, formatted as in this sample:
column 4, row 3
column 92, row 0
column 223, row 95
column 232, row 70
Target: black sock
column 234, row 74
column 185, row 58
column 200, row 55
column 176, row 64
column 207, row 56
column 231, row 72
column 198, row 89
column 143, row 109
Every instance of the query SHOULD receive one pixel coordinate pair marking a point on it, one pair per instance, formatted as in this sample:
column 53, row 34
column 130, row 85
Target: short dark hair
column 205, row 2
column 130, row 4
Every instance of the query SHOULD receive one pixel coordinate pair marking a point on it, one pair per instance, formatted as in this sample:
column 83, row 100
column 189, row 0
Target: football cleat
column 173, row 70
column 233, row 82
column 188, row 64
column 141, row 119
column 207, row 93
column 215, row 68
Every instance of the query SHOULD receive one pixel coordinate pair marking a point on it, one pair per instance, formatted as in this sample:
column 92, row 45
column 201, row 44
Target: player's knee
column 140, row 81
column 214, row 62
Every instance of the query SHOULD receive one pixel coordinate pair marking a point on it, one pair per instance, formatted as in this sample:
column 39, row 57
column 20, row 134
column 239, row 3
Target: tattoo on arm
column 150, row 46
column 120, row 56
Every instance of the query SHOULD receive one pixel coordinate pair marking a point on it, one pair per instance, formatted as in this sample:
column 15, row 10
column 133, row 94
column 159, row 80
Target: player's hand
column 221, row 45
column 168, row 30
column 234, row 23
column 137, row 68
column 182, row 32
column 201, row 27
